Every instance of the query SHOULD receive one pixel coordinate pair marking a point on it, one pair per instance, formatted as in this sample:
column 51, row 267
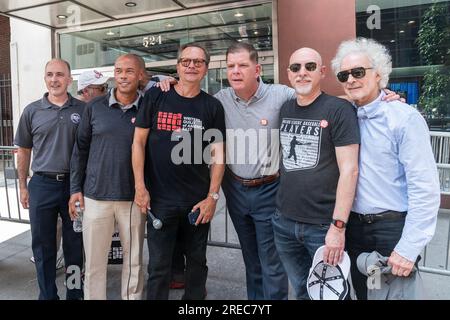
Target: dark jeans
column 297, row 243
column 251, row 210
column 178, row 261
column 48, row 198
column 381, row 236
column 161, row 244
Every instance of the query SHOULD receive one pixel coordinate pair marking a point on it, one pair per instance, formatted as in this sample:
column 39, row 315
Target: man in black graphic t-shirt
column 317, row 185
column 175, row 132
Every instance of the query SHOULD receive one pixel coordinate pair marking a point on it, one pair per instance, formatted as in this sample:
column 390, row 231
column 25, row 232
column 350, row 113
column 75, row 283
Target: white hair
column 378, row 55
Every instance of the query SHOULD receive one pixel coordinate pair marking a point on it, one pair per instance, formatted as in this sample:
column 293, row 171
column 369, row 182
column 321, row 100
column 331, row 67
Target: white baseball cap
column 91, row 77
column 326, row 282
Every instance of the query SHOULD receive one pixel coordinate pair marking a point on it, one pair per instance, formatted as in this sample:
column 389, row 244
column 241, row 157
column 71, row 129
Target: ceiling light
column 169, row 25
column 392, row 41
column 256, row 32
column 238, row 14
column 411, row 22
column 131, row 4
column 239, row 40
column 110, row 33
column 61, row 16
column 402, row 31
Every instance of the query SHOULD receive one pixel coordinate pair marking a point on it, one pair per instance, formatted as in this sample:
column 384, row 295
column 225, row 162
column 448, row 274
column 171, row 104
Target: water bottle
column 78, row 222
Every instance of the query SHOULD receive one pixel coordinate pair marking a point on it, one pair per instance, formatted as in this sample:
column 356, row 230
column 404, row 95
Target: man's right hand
column 142, row 199
column 164, row 85
column 24, row 198
column 74, row 198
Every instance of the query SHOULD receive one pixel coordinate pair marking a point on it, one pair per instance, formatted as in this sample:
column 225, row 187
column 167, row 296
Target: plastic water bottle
column 78, row 222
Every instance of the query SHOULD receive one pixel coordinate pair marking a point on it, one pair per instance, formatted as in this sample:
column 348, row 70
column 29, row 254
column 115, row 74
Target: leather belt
column 53, row 175
column 385, row 215
column 255, row 182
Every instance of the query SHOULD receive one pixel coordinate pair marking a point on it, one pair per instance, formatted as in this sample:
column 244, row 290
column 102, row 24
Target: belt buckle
column 369, row 219
column 60, row 177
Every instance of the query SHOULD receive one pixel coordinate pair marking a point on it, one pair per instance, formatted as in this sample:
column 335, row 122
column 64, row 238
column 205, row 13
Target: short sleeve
column 24, row 138
column 144, row 115
column 345, row 128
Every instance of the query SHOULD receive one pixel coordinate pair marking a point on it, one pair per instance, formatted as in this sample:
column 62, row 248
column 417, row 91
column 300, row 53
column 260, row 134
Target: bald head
column 135, row 59
column 305, row 54
column 305, row 73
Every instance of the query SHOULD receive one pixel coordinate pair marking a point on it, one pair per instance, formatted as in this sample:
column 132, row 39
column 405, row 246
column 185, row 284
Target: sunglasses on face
column 356, row 73
column 309, row 66
column 185, row 62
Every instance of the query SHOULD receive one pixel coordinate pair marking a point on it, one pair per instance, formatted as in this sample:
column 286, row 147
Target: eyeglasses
column 186, row 62
column 356, row 73
column 309, row 66
column 102, row 88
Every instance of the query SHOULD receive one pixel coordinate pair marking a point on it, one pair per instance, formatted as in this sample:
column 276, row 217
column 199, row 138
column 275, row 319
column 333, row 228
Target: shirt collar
column 370, row 110
column 258, row 94
column 113, row 101
column 46, row 104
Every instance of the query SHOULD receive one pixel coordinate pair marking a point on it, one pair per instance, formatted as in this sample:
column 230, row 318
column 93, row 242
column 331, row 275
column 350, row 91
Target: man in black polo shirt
column 47, row 127
column 102, row 180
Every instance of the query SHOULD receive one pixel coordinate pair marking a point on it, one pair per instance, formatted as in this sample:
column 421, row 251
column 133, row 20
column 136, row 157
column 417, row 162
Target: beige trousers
column 98, row 227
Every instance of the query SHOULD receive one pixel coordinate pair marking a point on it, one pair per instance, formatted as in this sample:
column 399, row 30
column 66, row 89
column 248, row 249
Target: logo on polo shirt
column 75, row 117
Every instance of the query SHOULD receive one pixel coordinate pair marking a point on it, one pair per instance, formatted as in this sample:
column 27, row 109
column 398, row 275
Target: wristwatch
column 214, row 195
column 339, row 224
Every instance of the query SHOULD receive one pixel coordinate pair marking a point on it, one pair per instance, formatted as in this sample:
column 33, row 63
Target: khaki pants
column 98, row 227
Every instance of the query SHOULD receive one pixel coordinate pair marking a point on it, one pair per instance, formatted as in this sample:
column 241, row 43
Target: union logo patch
column 75, row 117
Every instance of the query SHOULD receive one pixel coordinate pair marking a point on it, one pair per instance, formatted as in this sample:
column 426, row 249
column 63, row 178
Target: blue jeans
column 360, row 237
column 48, row 198
column 161, row 244
column 251, row 210
column 297, row 243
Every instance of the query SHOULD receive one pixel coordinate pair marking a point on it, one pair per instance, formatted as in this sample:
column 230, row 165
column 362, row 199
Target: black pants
column 161, row 244
column 48, row 198
column 381, row 236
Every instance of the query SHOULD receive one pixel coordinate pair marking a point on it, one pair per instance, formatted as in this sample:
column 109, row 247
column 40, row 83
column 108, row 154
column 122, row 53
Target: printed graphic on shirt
column 168, row 121
column 300, row 143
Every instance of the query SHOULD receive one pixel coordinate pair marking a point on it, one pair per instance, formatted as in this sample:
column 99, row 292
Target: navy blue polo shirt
column 101, row 161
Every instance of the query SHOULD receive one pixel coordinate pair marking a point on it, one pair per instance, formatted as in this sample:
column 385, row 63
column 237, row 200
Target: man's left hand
column 392, row 96
column 401, row 267
column 334, row 246
column 207, row 210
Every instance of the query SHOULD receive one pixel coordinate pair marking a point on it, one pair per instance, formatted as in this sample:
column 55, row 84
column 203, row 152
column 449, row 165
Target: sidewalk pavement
column 226, row 278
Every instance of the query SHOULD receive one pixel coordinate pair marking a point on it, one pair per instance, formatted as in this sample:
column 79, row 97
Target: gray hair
column 194, row 45
column 378, row 55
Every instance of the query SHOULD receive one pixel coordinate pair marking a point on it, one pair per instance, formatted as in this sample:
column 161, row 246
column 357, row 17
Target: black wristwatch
column 339, row 224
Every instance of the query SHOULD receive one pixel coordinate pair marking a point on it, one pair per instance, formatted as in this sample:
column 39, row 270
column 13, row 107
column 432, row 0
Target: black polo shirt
column 101, row 161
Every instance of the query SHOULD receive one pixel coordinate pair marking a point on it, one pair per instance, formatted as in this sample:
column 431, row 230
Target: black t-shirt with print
column 176, row 170
column 308, row 166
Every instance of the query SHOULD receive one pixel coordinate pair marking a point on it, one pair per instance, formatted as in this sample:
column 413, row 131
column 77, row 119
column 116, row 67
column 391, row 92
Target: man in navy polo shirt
column 102, row 180
column 48, row 127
